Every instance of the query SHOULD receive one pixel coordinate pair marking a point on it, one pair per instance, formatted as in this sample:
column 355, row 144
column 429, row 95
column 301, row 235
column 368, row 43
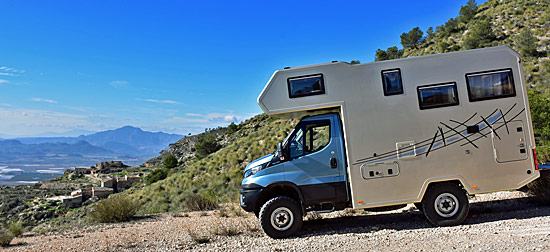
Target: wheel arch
column 459, row 181
column 280, row 189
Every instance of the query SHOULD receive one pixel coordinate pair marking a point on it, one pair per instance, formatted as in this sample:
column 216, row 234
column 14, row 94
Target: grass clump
column 116, row 208
column 199, row 202
column 197, row 237
column 5, row 237
column 16, row 228
column 225, row 230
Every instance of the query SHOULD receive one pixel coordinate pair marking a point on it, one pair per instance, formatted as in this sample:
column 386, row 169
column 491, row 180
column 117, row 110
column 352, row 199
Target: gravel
column 502, row 221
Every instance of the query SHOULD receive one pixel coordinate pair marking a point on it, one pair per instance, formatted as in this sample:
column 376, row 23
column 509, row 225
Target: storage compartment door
column 509, row 145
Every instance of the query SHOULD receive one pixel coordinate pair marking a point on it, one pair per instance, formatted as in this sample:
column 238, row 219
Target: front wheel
column 280, row 217
column 445, row 204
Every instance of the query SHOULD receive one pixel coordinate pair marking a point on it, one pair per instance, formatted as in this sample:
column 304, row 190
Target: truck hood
column 259, row 162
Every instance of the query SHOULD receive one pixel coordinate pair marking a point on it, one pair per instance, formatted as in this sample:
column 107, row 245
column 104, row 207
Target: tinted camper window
column 306, row 85
column 391, row 79
column 437, row 95
column 490, row 85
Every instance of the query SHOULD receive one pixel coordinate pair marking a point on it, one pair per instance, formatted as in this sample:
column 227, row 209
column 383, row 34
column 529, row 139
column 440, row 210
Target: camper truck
column 430, row 131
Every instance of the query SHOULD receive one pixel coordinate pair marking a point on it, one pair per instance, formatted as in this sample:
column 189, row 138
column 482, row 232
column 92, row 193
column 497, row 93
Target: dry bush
column 5, row 237
column 237, row 211
column 225, row 230
column 198, row 202
column 541, row 187
column 250, row 226
column 16, row 228
column 222, row 212
column 116, row 208
column 197, row 237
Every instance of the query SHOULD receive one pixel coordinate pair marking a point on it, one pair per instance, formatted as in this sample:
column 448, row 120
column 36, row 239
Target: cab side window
column 317, row 137
column 310, row 137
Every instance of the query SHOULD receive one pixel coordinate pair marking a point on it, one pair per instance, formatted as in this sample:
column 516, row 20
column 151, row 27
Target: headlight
column 252, row 171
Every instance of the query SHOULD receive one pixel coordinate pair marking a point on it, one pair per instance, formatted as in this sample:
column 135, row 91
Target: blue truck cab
column 306, row 173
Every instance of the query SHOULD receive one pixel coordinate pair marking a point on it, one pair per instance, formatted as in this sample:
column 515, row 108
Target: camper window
column 437, row 95
column 391, row 80
column 306, row 85
column 490, row 85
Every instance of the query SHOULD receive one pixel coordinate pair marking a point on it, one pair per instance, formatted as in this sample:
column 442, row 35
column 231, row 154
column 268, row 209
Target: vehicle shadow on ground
column 480, row 212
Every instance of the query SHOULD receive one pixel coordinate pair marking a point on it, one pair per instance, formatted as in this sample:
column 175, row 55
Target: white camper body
column 460, row 116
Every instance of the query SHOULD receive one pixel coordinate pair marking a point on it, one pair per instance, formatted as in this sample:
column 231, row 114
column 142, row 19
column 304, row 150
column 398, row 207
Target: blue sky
column 176, row 66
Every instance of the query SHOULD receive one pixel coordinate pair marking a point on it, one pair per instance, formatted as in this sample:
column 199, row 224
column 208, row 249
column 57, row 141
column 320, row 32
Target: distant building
column 86, row 193
column 120, row 184
column 108, row 182
column 82, row 171
column 72, row 201
column 101, row 192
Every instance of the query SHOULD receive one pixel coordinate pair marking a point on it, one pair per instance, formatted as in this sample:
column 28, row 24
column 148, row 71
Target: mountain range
column 127, row 143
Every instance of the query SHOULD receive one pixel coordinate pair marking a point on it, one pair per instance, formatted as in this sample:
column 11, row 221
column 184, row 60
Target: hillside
column 218, row 175
column 522, row 24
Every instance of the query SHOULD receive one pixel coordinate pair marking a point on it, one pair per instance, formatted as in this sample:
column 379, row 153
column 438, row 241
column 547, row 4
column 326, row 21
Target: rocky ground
column 504, row 221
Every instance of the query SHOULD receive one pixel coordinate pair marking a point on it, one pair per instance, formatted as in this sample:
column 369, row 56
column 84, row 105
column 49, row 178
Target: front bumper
column 249, row 198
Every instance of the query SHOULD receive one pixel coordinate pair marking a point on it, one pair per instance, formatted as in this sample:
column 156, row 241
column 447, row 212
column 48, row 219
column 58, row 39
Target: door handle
column 333, row 163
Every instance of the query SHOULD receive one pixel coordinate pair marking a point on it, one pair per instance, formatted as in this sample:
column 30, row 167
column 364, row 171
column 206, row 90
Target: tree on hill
column 480, row 35
column 354, row 62
column 389, row 54
column 206, row 145
column 170, row 162
column 527, row 43
column 232, row 128
column 467, row 12
column 412, row 38
column 430, row 31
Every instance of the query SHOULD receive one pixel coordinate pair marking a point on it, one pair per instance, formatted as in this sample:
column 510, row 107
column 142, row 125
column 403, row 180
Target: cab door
column 316, row 163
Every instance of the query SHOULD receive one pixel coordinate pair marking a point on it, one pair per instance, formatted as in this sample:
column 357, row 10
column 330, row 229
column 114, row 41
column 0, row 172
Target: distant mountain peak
column 127, row 127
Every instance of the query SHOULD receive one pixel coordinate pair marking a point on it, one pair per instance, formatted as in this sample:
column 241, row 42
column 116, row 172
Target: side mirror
column 280, row 152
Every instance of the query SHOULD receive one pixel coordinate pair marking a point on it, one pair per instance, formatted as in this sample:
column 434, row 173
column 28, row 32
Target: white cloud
column 158, row 101
column 209, row 120
column 118, row 83
column 6, row 105
column 21, row 122
column 43, row 100
column 10, row 71
column 3, row 81
column 193, row 114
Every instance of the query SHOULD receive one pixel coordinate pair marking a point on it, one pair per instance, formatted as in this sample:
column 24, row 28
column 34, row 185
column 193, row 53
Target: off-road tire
column 281, row 217
column 445, row 204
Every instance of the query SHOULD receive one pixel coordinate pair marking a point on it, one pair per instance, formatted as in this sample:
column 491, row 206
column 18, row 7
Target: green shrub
column 5, row 237
column 156, row 175
column 16, row 228
column 232, row 128
column 116, row 208
column 206, row 145
column 198, row 202
column 170, row 162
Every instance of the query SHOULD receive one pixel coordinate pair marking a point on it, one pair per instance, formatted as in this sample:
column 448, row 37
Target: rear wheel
column 280, row 217
column 445, row 204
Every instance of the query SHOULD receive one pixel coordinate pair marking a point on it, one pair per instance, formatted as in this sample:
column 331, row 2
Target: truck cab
column 307, row 168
